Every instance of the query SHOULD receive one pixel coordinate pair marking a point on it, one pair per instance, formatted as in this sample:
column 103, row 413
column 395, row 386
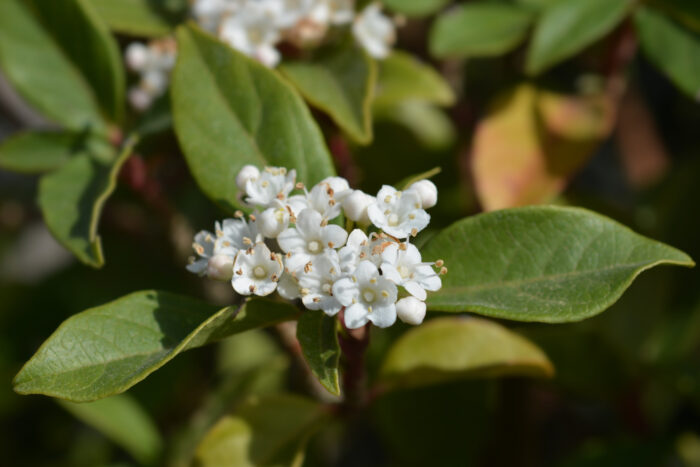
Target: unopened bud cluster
column 291, row 244
column 256, row 28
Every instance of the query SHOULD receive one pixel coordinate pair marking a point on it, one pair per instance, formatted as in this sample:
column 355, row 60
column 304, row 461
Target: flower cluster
column 256, row 27
column 153, row 62
column 291, row 244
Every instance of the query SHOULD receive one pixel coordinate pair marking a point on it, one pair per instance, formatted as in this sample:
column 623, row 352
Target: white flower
column 289, row 12
column 220, row 267
column 427, row 192
column 272, row 221
column 360, row 248
column 274, row 183
column 398, row 213
column 402, row 265
column 374, row 31
column 209, row 13
column 288, row 287
column 355, row 206
column 247, row 172
column 341, row 11
column 316, row 283
column 309, row 239
column 233, row 235
column 253, row 31
column 366, row 296
column 410, row 310
column 203, row 245
column 256, row 271
column 154, row 62
column 137, row 56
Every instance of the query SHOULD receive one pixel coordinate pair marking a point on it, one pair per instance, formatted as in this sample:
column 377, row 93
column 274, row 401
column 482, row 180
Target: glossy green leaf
column 267, row 431
column 71, row 198
column 318, row 337
column 107, row 349
column 37, row 67
column 445, row 349
column 87, row 42
column 674, row 50
column 121, row 419
column 340, row 82
column 479, row 30
column 136, row 17
column 545, row 263
column 230, row 111
column 39, row 151
column 403, row 77
column 415, row 7
column 569, row 26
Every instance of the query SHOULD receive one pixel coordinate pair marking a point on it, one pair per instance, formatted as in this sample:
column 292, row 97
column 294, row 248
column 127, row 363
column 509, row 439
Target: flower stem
column 353, row 343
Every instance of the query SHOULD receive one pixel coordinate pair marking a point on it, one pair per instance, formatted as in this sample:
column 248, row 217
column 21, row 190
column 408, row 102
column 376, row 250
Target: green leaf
column 415, row 7
column 545, row 263
column 318, row 337
column 121, row 419
column 429, row 125
column 39, row 151
column 446, row 349
column 479, row 30
column 403, row 77
column 37, row 67
column 339, row 82
column 107, row 349
column 269, row 431
column 230, row 111
column 671, row 48
column 71, row 198
column 87, row 42
column 569, row 26
column 685, row 11
column 135, row 17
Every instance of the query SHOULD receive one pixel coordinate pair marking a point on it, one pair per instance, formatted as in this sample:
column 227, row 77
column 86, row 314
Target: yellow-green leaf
column 445, row 349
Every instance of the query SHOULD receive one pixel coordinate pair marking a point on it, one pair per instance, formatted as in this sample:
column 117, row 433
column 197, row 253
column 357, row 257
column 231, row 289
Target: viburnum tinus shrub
column 302, row 251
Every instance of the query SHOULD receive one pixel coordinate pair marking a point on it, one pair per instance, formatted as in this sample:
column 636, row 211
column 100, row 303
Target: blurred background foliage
column 590, row 103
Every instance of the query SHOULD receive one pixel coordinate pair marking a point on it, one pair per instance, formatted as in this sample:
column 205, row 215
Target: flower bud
column 137, row 56
column 140, row 99
column 355, row 206
column 220, row 268
column 410, row 310
column 427, row 191
column 248, row 172
column 272, row 222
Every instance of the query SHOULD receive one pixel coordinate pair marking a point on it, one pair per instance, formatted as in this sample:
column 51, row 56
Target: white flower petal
column 416, row 290
column 355, row 316
column 382, row 316
column 345, row 291
column 291, row 240
column 333, row 236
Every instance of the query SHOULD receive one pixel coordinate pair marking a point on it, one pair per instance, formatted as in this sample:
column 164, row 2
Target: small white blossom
column 203, row 245
column 288, row 287
column 401, row 264
column 247, row 172
column 359, row 247
column 316, row 283
column 427, row 192
column 310, row 238
column 209, row 13
column 355, row 206
column 220, row 267
column 274, row 184
column 366, row 296
column 233, row 235
column 410, row 310
column 398, row 213
column 374, row 31
column 341, row 11
column 153, row 62
column 257, row 271
column 272, row 221
column 253, row 31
